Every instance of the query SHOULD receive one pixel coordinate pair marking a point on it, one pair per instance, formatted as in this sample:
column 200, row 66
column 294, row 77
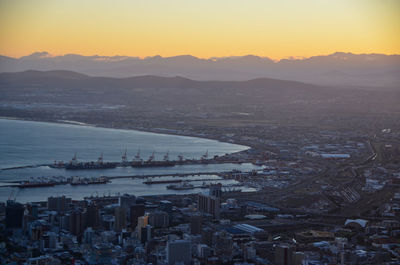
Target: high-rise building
column 88, row 236
column 76, row 222
column 203, row 251
column 107, row 222
column 159, row 219
column 33, row 210
column 14, row 214
column 195, row 224
column 209, row 204
column 92, row 216
column 64, row 222
column 178, row 251
column 207, row 236
column 216, row 190
column 146, row 234
column 136, row 211
column 59, row 204
column 143, row 221
column 48, row 241
column 283, row 255
column 120, row 218
column 223, row 245
column 298, row 258
column 127, row 201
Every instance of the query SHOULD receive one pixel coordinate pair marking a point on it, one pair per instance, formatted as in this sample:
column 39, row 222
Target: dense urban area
column 327, row 191
column 326, row 198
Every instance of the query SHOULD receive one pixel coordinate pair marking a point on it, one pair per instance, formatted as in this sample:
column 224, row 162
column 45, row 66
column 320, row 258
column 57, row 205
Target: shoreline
column 146, row 130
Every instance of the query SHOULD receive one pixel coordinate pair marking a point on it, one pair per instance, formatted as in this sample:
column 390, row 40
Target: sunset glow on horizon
column 275, row 29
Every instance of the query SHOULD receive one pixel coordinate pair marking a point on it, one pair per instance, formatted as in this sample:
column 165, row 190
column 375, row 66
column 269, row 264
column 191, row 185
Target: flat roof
column 248, row 228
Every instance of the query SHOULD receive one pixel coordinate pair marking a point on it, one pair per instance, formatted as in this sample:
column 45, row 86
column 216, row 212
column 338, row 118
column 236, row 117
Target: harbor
column 139, row 162
column 136, row 162
column 37, row 182
column 151, row 182
column 121, row 185
column 53, row 181
column 114, row 154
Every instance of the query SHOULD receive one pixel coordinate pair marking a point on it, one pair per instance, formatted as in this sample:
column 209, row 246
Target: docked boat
column 125, row 161
column 24, row 185
column 182, row 186
column 151, row 162
column 87, row 181
column 37, row 183
column 57, row 164
column 100, row 164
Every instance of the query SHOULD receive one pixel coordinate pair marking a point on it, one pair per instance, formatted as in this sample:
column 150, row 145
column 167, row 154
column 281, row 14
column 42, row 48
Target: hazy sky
column 203, row 28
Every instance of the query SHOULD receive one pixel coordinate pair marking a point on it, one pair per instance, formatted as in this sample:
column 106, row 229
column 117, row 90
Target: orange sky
column 207, row 28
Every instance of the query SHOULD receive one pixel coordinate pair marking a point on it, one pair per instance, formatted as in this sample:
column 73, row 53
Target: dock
column 218, row 173
column 150, row 182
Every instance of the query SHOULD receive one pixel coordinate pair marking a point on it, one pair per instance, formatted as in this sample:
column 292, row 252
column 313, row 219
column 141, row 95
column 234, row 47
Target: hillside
column 70, row 95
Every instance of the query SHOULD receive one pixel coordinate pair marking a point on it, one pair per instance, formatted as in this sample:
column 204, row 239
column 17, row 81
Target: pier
column 110, row 165
column 218, row 173
column 49, row 181
column 151, row 182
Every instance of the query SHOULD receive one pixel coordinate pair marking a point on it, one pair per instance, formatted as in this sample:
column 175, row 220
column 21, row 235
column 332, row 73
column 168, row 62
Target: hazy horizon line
column 45, row 54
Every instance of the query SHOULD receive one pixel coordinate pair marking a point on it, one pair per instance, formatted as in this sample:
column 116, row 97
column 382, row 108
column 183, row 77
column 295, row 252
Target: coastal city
column 208, row 132
column 333, row 200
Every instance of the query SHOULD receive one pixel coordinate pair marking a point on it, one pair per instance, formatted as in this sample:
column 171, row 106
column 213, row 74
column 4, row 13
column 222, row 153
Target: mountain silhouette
column 337, row 69
column 157, row 93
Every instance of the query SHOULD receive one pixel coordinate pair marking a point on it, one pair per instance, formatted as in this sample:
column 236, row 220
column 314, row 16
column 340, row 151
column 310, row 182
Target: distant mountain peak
column 360, row 69
column 53, row 73
column 37, row 55
column 248, row 57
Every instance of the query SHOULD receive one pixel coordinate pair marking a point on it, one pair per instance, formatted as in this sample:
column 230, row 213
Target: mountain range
column 155, row 93
column 337, row 69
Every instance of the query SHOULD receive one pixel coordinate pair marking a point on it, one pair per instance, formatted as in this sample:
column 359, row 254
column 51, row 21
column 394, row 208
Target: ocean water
column 31, row 143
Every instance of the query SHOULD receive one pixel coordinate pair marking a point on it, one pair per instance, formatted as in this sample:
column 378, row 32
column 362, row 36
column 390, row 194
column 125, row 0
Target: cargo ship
column 87, row 181
column 151, row 162
column 100, row 164
column 37, row 183
column 137, row 162
column 24, row 185
column 57, row 164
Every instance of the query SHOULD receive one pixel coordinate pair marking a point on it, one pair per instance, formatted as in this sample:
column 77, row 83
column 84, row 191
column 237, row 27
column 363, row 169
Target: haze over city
column 200, row 132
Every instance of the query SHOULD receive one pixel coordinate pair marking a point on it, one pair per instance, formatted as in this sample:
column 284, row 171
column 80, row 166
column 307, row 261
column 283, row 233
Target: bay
column 31, row 143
